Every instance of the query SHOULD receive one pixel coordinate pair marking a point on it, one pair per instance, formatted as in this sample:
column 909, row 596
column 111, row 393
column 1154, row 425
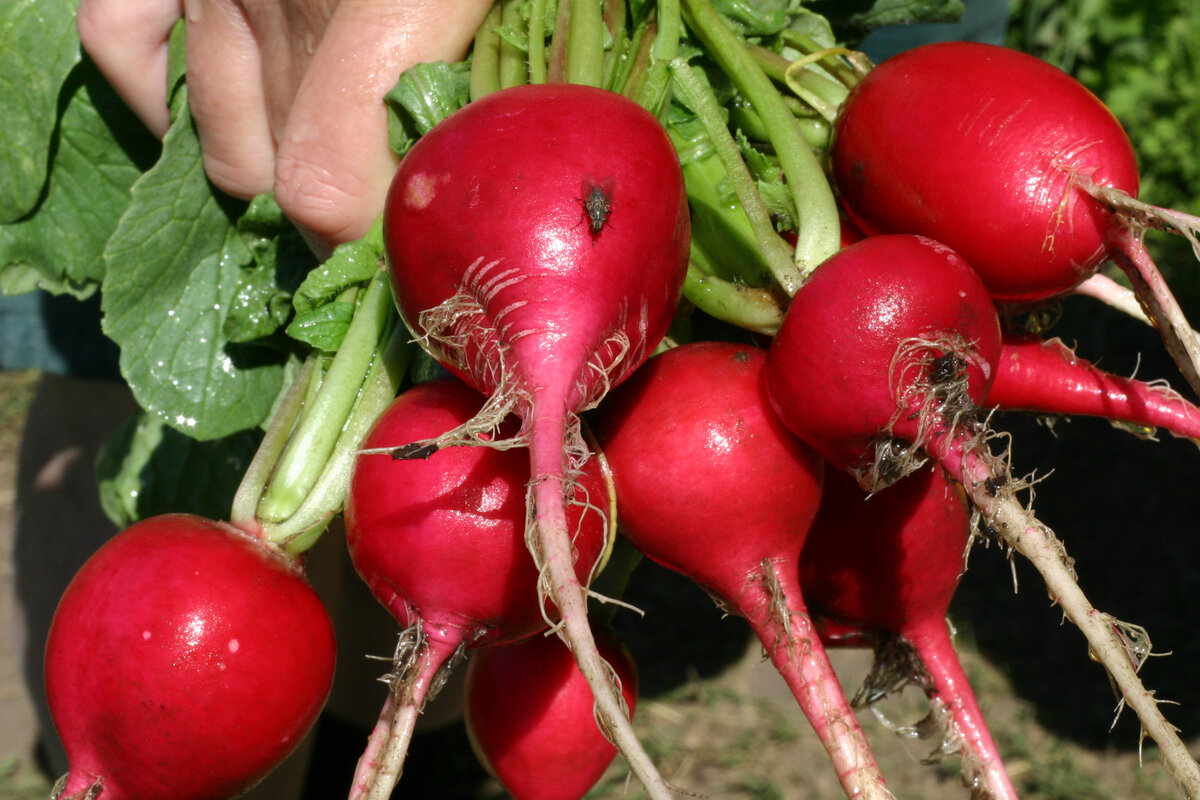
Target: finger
column 225, row 91
column 128, row 42
column 333, row 164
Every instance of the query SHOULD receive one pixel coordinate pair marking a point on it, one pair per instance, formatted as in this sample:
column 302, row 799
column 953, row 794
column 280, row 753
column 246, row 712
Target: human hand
column 286, row 94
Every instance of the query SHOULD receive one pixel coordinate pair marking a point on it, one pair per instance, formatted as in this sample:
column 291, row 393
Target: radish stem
column 773, row 249
column 513, row 69
column 321, row 423
column 585, row 48
column 819, row 235
column 485, row 56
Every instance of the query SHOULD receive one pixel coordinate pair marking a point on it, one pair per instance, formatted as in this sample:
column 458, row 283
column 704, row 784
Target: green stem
column 556, row 66
column 300, row 531
column 656, row 88
column 321, row 422
column 719, row 222
column 254, row 482
column 832, row 60
column 485, row 56
column 819, row 229
column 753, row 309
column 616, row 56
column 585, row 43
column 537, row 41
column 629, row 80
column 825, row 96
column 513, row 61
column 774, row 250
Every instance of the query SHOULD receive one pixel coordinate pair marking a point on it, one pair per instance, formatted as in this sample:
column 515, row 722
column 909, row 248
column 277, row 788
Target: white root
column 1019, row 528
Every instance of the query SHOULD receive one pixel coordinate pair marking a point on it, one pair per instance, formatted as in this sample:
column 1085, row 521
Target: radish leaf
column 38, row 48
column 97, row 151
column 172, row 276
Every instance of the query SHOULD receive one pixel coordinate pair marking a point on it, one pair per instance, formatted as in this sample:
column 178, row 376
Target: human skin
column 286, row 94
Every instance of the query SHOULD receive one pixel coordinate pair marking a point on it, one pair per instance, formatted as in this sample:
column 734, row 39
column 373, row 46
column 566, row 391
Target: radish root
column 419, row 671
column 958, row 441
column 776, row 612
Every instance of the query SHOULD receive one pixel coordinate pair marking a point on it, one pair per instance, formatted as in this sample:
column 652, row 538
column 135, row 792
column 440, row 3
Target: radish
column 1047, row 377
column 1011, row 162
column 537, row 241
column 186, row 660
column 710, row 484
column 528, row 711
column 440, row 543
column 888, row 565
column 882, row 359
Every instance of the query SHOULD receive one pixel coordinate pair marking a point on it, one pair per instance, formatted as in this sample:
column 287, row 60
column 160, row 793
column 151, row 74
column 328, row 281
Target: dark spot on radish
column 994, row 484
column 597, row 203
column 945, row 368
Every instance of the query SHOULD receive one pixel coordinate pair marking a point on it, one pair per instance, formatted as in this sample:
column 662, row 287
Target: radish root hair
column 896, row 666
column 928, row 374
column 779, row 609
column 411, row 646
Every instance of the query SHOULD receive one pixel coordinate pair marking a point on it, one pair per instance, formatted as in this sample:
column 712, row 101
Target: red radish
column 888, row 565
column 529, row 715
column 538, row 241
column 710, row 484
column 883, row 357
column 998, row 155
column 1047, row 377
column 440, row 543
column 186, row 660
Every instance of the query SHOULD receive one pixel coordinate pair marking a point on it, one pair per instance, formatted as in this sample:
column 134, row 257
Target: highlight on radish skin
column 717, row 445
column 440, row 542
column 508, row 278
column 885, row 566
column 1011, row 162
column 881, row 361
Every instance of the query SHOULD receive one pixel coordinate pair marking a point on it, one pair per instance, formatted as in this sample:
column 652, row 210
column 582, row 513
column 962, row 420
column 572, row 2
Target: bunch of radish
column 824, row 483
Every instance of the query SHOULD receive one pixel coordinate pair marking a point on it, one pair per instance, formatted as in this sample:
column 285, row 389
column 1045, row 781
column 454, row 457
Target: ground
column 720, row 723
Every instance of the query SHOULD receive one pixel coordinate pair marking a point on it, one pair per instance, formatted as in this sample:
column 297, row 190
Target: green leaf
column 98, row 151
column 278, row 261
column 424, row 95
column 759, row 18
column 323, row 328
column 147, row 468
column 853, row 19
column 352, row 263
column 173, row 266
column 38, row 48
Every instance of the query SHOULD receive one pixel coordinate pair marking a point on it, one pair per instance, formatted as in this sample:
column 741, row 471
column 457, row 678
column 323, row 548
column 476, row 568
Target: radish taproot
column 882, row 360
column 886, row 566
column 691, row 435
column 163, row 663
column 528, row 712
column 1011, row 162
column 440, row 542
column 1045, row 376
column 507, row 273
